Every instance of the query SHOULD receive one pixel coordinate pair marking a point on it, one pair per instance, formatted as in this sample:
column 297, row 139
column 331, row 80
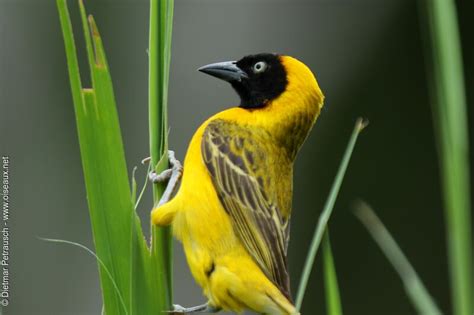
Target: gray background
column 369, row 61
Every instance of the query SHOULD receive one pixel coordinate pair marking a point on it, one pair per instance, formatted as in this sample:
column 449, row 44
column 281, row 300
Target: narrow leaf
column 333, row 298
column 101, row 201
column 326, row 213
column 119, row 242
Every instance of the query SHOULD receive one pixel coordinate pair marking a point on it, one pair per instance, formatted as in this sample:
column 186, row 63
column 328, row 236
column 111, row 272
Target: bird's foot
column 172, row 175
column 204, row 308
column 176, row 169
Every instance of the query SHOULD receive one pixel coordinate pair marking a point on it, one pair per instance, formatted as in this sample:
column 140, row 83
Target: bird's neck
column 290, row 117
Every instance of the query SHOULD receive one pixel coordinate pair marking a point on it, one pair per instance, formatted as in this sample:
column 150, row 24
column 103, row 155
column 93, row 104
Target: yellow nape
column 301, row 82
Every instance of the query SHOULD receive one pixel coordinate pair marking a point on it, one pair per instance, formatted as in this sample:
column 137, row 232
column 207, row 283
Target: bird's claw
column 204, row 308
column 176, row 168
column 160, row 178
column 177, row 309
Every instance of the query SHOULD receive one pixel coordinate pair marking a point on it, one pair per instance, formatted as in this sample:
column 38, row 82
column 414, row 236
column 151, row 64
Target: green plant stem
column 450, row 121
column 326, row 213
column 161, row 17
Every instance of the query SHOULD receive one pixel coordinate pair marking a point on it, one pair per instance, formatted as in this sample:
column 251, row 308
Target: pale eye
column 259, row 67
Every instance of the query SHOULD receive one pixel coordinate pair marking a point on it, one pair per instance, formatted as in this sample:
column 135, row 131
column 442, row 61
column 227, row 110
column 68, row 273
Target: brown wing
column 237, row 162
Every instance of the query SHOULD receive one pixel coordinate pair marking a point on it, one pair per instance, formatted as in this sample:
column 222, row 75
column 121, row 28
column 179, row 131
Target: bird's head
column 261, row 78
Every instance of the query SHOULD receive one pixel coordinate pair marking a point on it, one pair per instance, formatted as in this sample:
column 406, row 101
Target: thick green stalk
column 450, row 117
column 326, row 213
column 159, row 50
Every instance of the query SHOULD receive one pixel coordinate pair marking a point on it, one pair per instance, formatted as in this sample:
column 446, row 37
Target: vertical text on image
column 5, row 256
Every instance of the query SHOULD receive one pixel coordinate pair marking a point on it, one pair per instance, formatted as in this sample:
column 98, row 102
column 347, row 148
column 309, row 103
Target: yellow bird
column 233, row 207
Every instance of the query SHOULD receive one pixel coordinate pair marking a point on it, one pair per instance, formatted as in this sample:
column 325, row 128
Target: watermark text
column 5, row 231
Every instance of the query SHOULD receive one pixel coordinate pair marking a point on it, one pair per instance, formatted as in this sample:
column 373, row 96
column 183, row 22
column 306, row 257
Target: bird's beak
column 227, row 71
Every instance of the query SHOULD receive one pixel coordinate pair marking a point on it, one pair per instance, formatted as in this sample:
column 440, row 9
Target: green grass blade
column 70, row 46
column 125, row 263
column 161, row 21
column 88, row 40
column 333, row 298
column 104, row 166
column 450, row 119
column 325, row 215
column 414, row 287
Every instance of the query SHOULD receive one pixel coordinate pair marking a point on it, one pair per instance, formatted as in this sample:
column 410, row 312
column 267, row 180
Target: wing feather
column 236, row 160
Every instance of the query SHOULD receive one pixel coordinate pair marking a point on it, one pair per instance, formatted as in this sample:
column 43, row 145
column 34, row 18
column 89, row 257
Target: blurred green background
column 369, row 61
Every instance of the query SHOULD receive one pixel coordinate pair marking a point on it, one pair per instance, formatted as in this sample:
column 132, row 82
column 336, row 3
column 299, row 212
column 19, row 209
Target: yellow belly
column 220, row 264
